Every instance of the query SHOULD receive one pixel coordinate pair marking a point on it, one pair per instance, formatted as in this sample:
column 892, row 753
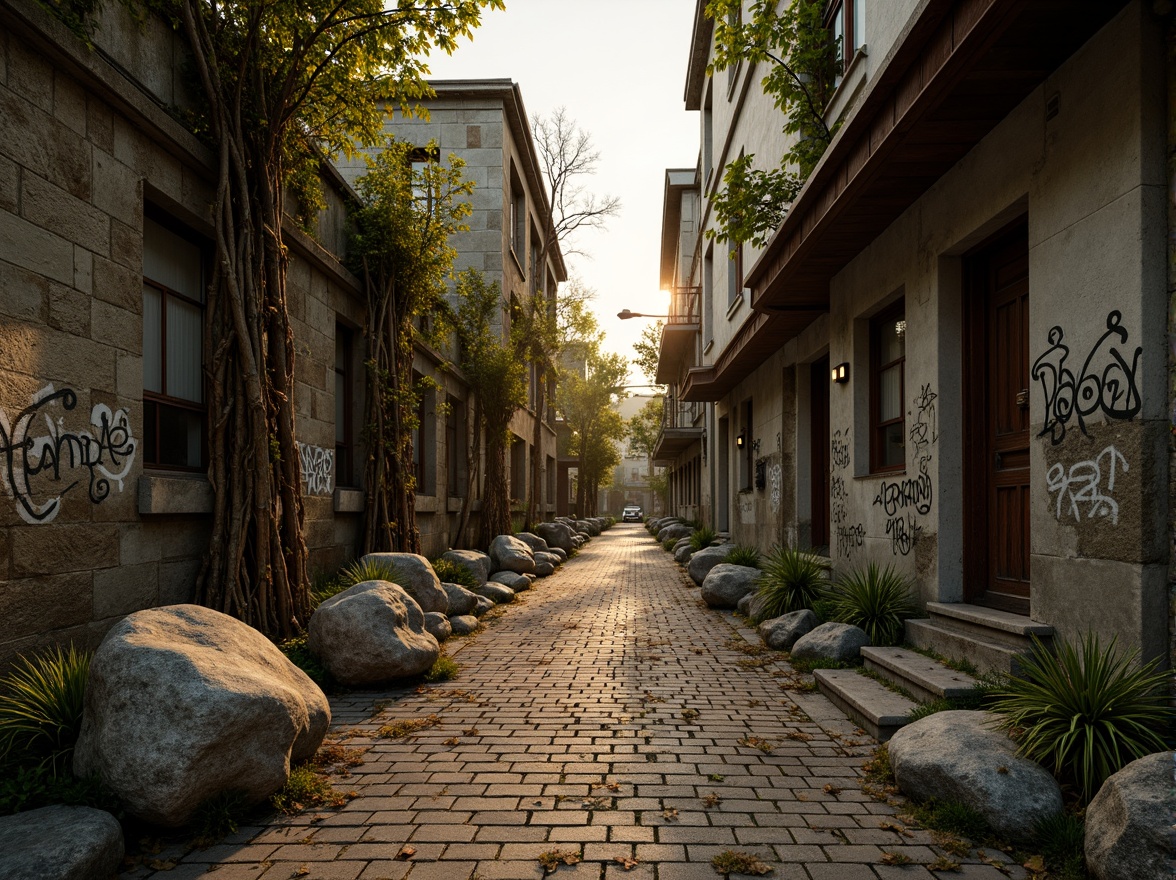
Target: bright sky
column 619, row 67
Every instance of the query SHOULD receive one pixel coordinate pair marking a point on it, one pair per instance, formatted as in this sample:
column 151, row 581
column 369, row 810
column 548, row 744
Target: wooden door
column 997, row 389
column 819, row 451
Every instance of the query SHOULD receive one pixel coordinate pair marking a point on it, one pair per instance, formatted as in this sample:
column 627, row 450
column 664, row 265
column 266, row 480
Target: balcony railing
column 679, row 413
column 685, row 305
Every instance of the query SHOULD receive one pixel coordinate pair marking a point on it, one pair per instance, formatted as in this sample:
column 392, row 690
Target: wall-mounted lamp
column 741, row 439
column 840, row 373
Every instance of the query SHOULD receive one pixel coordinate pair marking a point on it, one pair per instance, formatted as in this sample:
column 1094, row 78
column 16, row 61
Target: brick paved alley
column 598, row 715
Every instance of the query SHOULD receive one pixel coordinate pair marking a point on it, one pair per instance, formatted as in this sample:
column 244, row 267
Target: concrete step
column 924, row 678
column 999, row 627
column 983, row 653
column 876, row 708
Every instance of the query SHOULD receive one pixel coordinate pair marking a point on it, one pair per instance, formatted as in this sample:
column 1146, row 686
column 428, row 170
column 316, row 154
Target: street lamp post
column 625, row 315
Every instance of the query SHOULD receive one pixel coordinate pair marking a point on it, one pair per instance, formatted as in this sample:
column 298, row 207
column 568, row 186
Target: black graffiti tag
column 849, row 538
column 1106, row 383
column 924, row 426
column 106, row 454
column 903, row 532
column 840, row 450
column 916, row 492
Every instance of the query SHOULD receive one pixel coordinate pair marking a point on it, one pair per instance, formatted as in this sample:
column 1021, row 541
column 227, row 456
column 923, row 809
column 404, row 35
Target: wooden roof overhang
column 957, row 70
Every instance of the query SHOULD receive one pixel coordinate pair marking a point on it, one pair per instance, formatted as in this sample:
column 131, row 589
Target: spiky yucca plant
column 875, row 599
column 791, row 579
column 455, row 573
column 41, row 701
column 361, row 570
column 1084, row 712
column 703, row 536
column 741, row 554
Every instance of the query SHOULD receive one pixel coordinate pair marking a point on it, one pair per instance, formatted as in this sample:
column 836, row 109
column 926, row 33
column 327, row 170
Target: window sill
column 734, row 306
column 165, row 494
column 348, row 500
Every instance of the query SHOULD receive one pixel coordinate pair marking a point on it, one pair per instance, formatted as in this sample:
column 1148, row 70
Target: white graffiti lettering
column 318, row 469
column 106, row 454
column 1081, row 490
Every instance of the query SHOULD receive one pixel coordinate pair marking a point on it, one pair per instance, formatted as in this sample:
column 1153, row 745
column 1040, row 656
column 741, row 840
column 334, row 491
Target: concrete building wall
column 1090, row 182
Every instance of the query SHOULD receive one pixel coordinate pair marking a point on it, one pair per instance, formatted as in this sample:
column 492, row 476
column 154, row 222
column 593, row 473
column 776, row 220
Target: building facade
column 951, row 355
column 105, row 240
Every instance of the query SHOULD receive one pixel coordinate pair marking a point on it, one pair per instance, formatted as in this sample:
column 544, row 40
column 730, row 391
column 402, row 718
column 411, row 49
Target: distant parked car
column 632, row 513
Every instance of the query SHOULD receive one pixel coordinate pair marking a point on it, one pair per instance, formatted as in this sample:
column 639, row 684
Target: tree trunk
column 496, row 504
column 538, row 462
column 255, row 568
column 472, row 450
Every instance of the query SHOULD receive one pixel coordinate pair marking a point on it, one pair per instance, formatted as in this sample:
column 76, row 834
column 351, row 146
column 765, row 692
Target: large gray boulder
column 60, row 843
column 705, row 559
column 461, row 600
column 518, row 583
column 959, row 756
column 417, row 578
column 682, row 552
column 495, row 592
column 185, row 703
column 831, row 641
column 552, row 559
column 588, row 527
column 782, row 633
column 475, row 562
column 533, row 541
column 371, row 633
column 675, row 531
column 1129, row 833
column 484, row 605
column 556, row 534
column 751, row 606
column 558, row 552
column 544, row 569
column 437, row 625
column 508, row 553
column 463, row 624
column 725, row 584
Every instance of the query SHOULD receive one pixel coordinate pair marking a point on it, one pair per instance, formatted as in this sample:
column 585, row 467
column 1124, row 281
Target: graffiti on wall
column 34, row 464
column 903, row 532
column 775, row 482
column 896, row 496
column 1084, row 490
column 849, row 538
column 1106, row 384
column 318, row 469
column 924, row 427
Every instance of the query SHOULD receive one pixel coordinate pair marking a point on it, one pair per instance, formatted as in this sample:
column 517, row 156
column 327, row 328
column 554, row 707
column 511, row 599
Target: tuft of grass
column 703, row 536
column 324, row 585
column 668, row 544
column 305, row 788
column 406, row 726
column 27, row 787
column 41, row 703
column 361, row 570
column 951, row 817
column 1085, row 712
column 790, row 580
column 218, row 817
column 809, row 665
column 962, row 665
column 1061, row 840
column 877, row 769
column 741, row 554
column 298, row 652
column 444, row 668
column 974, row 700
column 732, row 862
column 454, row 573
column 877, row 600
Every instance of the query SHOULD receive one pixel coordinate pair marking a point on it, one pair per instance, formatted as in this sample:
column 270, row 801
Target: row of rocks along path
column 595, row 716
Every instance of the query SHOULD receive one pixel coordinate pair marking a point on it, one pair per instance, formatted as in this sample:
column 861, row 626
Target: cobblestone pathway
column 609, row 715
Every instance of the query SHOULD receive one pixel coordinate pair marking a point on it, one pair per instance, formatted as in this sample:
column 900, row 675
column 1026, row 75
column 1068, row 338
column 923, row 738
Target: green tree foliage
column 282, row 84
column 568, row 155
column 647, row 351
column 645, row 427
column 585, row 399
column 401, row 251
column 790, row 38
column 498, row 380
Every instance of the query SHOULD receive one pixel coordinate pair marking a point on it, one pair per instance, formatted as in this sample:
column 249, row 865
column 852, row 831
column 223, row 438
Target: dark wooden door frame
column 977, row 467
column 819, row 452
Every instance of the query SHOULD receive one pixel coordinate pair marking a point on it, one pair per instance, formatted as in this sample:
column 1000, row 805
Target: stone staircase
column 990, row 640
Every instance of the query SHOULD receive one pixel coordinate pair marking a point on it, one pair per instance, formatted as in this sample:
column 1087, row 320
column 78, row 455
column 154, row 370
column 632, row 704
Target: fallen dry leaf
column 627, row 862
column 406, row 853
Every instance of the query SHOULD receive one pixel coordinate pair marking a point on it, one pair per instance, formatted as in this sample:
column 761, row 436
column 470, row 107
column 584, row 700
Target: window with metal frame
column 174, row 410
column 887, row 390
